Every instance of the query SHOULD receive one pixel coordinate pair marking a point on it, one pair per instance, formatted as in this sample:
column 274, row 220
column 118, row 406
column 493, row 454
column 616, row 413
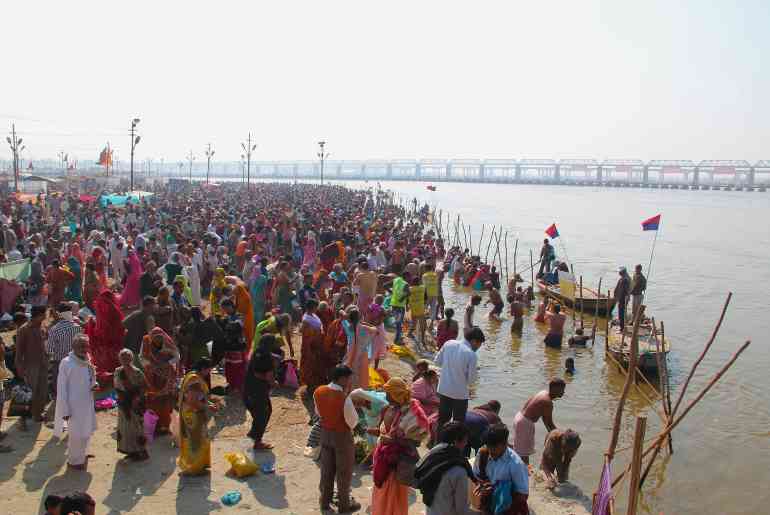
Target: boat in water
column 567, row 293
column 652, row 348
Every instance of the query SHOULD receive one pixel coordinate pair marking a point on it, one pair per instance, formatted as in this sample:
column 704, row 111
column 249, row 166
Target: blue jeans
column 398, row 318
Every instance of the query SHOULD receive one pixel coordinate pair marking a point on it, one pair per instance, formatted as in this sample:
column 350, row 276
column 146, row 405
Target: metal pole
column 133, row 126
column 248, row 164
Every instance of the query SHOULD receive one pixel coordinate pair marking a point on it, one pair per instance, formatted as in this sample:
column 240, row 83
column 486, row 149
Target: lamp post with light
column 322, row 155
column 134, row 142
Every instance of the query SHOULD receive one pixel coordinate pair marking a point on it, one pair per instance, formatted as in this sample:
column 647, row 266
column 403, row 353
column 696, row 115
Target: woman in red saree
column 311, row 366
column 160, row 359
column 106, row 335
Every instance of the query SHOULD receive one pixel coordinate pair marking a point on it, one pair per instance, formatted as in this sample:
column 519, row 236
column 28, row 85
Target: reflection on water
column 704, row 250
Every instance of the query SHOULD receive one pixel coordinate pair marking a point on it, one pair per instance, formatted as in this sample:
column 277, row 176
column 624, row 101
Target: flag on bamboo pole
column 651, row 224
column 552, row 232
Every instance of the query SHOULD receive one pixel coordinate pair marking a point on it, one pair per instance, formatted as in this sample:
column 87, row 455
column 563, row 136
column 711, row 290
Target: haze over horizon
column 429, row 79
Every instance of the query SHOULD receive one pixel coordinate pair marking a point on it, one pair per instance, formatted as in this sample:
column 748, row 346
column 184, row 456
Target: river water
column 710, row 243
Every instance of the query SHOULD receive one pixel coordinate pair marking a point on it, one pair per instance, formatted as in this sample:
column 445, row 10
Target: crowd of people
column 149, row 299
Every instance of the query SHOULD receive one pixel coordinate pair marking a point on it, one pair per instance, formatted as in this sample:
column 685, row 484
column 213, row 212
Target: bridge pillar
column 518, row 172
column 645, row 174
column 389, row 171
column 363, row 170
column 482, row 172
column 750, row 177
column 448, row 170
column 418, row 171
column 696, row 176
column 557, row 173
column 599, row 173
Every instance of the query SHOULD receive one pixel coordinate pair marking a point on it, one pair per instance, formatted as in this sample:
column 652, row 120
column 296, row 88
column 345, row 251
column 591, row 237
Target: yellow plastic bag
column 240, row 464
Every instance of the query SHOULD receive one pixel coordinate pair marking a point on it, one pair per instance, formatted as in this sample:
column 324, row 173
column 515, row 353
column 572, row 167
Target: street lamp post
column 134, row 142
column 191, row 158
column 248, row 148
column 209, row 155
column 322, row 155
column 16, row 148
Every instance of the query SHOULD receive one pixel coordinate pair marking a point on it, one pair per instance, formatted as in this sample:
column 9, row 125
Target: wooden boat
column 572, row 299
column 649, row 347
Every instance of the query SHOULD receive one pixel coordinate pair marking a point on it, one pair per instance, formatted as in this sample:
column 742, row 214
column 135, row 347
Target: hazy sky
column 395, row 79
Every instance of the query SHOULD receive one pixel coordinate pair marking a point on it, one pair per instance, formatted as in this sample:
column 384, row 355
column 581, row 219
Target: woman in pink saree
column 309, row 253
column 131, row 296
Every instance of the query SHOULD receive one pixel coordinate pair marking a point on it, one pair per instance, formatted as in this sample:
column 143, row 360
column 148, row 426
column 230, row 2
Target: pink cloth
column 424, row 392
column 380, row 343
column 523, row 435
column 131, row 294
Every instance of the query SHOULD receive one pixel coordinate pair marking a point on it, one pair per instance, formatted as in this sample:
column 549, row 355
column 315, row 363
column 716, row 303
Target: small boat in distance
column 431, row 187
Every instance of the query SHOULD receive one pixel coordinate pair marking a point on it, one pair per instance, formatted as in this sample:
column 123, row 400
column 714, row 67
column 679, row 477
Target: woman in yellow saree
column 218, row 284
column 194, row 442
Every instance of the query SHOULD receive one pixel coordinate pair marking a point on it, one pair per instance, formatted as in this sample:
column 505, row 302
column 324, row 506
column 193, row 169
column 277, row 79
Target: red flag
column 651, row 224
column 552, row 232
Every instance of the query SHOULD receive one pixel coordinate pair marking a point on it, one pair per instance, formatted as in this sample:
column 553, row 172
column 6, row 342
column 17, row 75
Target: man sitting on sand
column 538, row 406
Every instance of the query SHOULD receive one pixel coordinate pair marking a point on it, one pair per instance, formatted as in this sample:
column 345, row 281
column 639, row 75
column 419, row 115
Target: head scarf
column 398, row 390
column 186, row 290
column 219, row 278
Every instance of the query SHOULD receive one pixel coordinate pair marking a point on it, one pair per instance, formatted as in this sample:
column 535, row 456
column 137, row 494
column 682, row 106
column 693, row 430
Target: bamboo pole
column 499, row 252
column 515, row 257
column 714, row 380
column 668, row 383
column 607, row 325
column 596, row 312
column 663, row 401
column 481, row 240
column 581, row 303
column 702, row 355
column 507, row 278
column 465, row 237
column 470, row 240
column 532, row 269
column 633, row 358
column 489, row 244
column 636, row 465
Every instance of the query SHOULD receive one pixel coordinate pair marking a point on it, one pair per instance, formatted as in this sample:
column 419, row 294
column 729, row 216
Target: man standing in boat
column 638, row 287
column 547, row 255
column 622, row 289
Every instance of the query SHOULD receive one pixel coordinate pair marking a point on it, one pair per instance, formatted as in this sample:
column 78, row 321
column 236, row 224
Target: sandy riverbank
column 37, row 468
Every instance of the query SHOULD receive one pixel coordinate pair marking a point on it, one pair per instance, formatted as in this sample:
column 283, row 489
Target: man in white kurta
column 75, row 402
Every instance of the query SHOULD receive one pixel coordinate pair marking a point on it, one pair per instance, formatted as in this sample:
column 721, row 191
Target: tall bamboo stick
column 633, row 358
column 506, row 260
column 596, row 312
column 581, row 302
column 702, row 355
column 532, row 269
column 481, row 240
column 489, row 244
column 663, row 434
column 636, row 465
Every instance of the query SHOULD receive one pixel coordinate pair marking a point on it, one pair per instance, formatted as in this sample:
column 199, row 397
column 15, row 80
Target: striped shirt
column 60, row 338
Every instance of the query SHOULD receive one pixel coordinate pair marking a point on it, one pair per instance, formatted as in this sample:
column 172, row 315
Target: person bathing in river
column 542, row 308
column 555, row 321
column 538, row 406
column 579, row 340
column 470, row 309
column 496, row 300
column 517, row 312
